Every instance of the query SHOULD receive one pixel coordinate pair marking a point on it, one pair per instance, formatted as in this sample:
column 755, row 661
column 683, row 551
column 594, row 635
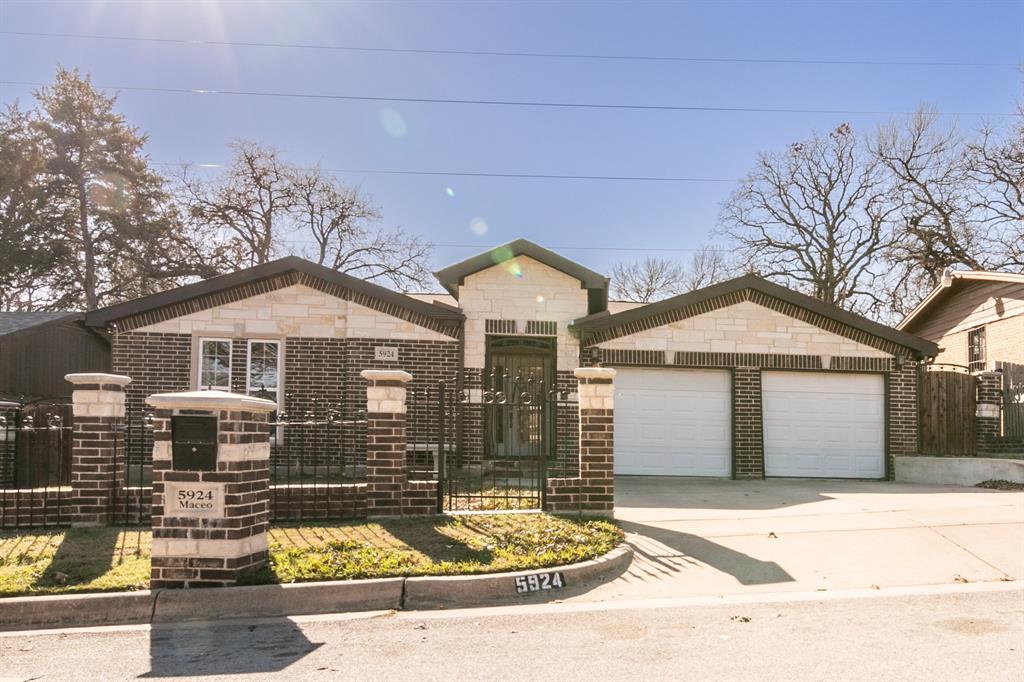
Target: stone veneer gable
column 818, row 324
column 521, row 289
column 318, row 308
column 744, row 327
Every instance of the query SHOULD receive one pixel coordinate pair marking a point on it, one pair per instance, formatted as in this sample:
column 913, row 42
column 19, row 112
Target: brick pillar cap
column 594, row 373
column 374, row 375
column 210, row 400
column 98, row 378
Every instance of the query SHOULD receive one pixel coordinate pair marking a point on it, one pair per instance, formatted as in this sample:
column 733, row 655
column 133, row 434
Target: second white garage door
column 673, row 422
column 824, row 425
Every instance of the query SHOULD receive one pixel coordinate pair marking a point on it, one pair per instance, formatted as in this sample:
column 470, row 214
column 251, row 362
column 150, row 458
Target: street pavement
column 961, row 632
column 713, row 537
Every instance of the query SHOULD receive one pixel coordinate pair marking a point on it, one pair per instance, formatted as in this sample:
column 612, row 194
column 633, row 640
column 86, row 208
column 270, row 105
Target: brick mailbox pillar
column 385, row 441
column 97, row 402
column 211, row 487
column 988, row 412
column 593, row 492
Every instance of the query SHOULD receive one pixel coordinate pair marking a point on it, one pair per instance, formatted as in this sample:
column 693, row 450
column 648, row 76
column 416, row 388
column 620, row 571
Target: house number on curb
column 539, row 581
column 202, row 500
column 385, row 353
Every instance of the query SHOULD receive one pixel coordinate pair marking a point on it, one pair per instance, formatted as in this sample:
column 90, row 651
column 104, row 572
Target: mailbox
column 194, row 443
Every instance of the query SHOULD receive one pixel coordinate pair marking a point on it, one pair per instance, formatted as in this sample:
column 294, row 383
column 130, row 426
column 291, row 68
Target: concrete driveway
column 710, row 536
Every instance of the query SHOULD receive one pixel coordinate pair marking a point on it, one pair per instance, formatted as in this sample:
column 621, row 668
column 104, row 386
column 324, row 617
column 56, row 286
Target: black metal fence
column 133, row 500
column 316, row 448
column 492, row 449
column 35, row 462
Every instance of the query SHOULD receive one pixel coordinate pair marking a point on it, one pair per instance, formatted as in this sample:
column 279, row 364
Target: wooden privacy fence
column 946, row 409
column 1013, row 399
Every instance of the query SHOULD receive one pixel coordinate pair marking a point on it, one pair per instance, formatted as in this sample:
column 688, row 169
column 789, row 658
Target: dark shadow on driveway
column 226, row 648
column 746, row 569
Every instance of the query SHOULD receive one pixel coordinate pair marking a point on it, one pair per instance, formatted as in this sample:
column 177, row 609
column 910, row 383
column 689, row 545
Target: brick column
column 98, row 409
column 747, row 419
column 385, row 441
column 987, row 415
column 210, row 522
column 593, row 492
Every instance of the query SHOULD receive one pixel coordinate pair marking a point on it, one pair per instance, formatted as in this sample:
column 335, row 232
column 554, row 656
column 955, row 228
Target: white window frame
column 199, row 362
column 280, row 367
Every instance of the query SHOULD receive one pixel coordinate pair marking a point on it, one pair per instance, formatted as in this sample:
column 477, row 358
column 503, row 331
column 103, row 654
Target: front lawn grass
column 109, row 559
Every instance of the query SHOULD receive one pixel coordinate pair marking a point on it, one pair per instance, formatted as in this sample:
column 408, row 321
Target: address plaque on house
column 192, row 499
column 385, row 353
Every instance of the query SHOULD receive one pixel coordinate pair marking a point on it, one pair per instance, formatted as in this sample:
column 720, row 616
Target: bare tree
column 997, row 168
column 653, row 279
column 262, row 207
column 936, row 227
column 708, row 266
column 647, row 280
column 816, row 218
column 248, row 203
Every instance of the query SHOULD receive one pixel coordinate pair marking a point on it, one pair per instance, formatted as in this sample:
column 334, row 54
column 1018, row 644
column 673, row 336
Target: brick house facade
column 301, row 335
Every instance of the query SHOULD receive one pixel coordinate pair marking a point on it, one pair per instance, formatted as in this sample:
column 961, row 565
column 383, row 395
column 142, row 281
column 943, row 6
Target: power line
column 493, row 53
column 467, row 174
column 483, row 247
column 506, row 103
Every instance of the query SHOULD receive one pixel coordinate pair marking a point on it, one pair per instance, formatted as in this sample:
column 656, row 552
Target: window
column 214, row 364
column 976, row 349
column 262, row 377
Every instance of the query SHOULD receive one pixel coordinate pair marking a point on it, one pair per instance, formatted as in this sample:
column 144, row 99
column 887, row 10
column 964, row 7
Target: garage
column 824, row 425
column 673, row 422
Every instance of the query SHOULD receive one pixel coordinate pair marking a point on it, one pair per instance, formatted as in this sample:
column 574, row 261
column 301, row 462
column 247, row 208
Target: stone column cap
column 210, row 400
column 606, row 373
column 386, row 375
column 98, row 378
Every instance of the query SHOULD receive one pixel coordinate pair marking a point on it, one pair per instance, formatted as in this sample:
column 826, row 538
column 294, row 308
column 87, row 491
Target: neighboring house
column 743, row 379
column 38, row 348
column 976, row 318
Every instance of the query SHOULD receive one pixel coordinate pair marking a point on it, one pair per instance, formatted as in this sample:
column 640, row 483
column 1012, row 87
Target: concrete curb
column 297, row 599
column 76, row 610
column 433, row 592
column 268, row 601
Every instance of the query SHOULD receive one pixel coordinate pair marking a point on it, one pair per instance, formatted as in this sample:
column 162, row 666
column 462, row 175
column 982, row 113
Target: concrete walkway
column 711, row 537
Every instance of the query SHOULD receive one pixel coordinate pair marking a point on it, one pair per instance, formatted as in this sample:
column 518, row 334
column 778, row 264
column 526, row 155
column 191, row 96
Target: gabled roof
column 283, row 266
column 945, row 288
column 453, row 275
column 631, row 321
column 13, row 322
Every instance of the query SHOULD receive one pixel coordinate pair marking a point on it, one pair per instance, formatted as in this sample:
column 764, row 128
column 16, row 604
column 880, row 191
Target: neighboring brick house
column 976, row 318
column 741, row 379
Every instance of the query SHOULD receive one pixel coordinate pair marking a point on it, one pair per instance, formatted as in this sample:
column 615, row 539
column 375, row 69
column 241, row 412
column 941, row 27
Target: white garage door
column 673, row 422
column 827, row 425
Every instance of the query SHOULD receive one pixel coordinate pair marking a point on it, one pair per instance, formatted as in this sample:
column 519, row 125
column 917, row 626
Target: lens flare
column 393, row 122
column 449, row 191
column 540, row 299
column 478, row 226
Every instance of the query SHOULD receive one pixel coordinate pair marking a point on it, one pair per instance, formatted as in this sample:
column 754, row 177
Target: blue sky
column 561, row 213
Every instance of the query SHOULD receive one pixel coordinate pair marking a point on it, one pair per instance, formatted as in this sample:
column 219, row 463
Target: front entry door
column 520, row 376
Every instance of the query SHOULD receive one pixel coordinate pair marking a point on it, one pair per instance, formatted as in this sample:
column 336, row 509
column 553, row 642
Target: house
column 975, row 317
column 38, row 348
column 743, row 379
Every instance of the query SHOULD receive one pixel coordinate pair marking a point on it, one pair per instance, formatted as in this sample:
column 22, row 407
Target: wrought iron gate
column 491, row 448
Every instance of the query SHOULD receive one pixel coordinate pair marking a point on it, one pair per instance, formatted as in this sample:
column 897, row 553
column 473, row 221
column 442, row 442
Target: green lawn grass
column 106, row 559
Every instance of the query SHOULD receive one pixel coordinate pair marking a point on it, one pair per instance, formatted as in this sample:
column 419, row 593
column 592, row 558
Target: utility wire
column 531, row 55
column 507, row 103
column 466, row 174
